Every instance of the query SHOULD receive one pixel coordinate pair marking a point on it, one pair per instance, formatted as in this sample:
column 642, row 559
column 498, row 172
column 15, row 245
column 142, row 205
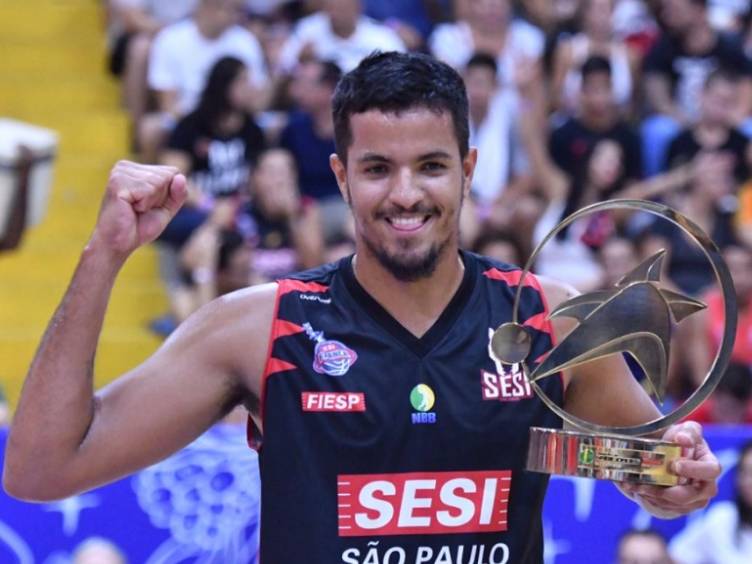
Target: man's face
column 488, row 13
column 342, row 13
column 480, row 83
column 307, row 89
column 224, row 13
column 679, row 15
column 643, row 549
column 719, row 101
column 739, row 262
column 596, row 97
column 405, row 183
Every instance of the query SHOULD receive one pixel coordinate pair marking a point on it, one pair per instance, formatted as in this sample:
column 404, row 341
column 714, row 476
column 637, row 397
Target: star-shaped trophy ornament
column 635, row 318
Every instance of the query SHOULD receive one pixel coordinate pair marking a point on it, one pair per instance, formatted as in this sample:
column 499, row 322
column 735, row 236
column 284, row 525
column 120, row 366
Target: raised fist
column 139, row 202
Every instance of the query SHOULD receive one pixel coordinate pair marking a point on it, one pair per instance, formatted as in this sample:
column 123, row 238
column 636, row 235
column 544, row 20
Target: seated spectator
column 723, row 534
column 283, row 226
column 596, row 38
column 309, row 137
column 501, row 183
column 502, row 246
column 706, row 327
column 215, row 147
column 488, row 27
column 675, row 70
column 98, row 550
column 181, row 57
column 642, row 547
column 135, row 23
column 704, row 200
column 714, row 131
column 617, row 256
column 597, row 155
column 340, row 33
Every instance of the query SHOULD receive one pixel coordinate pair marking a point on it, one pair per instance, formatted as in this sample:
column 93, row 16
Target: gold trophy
column 635, row 317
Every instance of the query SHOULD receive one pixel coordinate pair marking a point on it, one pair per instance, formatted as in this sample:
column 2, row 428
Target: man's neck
column 344, row 31
column 601, row 122
column 203, row 26
column 478, row 115
column 699, row 39
column 415, row 305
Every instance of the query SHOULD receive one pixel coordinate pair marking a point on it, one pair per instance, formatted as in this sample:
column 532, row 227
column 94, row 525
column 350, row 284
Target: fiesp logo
column 422, row 503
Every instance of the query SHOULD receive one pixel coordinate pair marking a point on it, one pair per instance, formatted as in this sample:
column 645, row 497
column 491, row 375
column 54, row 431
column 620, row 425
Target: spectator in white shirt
column 339, row 33
column 181, row 57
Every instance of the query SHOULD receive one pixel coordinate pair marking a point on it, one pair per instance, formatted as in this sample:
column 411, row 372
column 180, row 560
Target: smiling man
column 388, row 433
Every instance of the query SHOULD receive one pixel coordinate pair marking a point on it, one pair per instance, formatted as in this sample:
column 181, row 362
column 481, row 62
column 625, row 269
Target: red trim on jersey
column 540, row 322
column 511, row 277
column 547, row 326
column 275, row 365
column 285, row 328
column 272, row 338
column 287, row 286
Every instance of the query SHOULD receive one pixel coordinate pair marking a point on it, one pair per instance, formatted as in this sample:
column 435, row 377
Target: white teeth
column 407, row 222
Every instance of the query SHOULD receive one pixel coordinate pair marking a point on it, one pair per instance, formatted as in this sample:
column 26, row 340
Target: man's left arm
column 604, row 391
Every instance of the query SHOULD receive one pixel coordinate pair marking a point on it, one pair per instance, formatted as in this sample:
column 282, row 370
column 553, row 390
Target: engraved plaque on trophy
column 635, row 317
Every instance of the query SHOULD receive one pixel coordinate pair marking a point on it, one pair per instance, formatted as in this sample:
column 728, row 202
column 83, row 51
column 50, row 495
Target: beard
column 408, row 267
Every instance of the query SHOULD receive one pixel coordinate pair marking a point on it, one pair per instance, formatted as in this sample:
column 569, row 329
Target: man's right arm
column 64, row 438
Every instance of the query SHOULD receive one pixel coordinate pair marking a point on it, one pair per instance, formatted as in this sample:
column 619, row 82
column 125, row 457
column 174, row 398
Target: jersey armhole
column 548, row 326
column 254, row 435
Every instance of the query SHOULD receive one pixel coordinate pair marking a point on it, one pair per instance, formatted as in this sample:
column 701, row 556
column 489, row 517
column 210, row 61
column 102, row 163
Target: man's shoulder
column 313, row 26
column 323, row 274
column 239, row 36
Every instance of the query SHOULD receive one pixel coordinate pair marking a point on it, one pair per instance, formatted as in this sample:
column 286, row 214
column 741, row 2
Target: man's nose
column 405, row 191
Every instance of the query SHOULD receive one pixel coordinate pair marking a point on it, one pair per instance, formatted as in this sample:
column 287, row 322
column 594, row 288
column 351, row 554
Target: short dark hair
column 594, row 65
column 483, row 60
column 737, row 381
column 397, row 82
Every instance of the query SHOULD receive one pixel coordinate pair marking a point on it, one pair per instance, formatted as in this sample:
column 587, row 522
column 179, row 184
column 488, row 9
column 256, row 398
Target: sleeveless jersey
column 380, row 447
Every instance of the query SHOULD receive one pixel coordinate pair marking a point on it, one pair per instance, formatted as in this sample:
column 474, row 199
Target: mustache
column 417, row 209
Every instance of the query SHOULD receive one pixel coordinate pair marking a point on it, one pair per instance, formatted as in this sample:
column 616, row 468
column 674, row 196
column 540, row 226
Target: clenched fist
column 139, row 202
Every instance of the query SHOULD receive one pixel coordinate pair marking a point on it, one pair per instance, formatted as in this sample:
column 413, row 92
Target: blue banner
column 201, row 506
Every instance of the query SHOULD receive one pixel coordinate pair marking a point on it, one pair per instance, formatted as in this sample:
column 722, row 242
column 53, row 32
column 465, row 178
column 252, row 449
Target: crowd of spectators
column 571, row 102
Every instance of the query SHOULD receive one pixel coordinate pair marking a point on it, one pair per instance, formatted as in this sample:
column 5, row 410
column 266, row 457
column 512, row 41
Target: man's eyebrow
column 372, row 157
column 375, row 157
column 434, row 155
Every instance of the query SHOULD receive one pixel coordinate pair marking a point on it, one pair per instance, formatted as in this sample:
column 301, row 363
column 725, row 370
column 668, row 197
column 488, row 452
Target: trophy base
column 604, row 457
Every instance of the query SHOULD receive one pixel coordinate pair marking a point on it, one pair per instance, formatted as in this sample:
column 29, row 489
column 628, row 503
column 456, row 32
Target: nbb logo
column 422, row 503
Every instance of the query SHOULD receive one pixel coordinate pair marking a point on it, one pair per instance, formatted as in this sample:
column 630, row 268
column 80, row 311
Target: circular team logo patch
column 422, row 398
column 333, row 358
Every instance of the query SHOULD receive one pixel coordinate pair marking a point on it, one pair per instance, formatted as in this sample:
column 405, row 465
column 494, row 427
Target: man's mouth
column 408, row 223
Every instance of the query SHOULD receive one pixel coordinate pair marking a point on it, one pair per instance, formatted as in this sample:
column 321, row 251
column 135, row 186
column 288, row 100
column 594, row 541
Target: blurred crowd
column 571, row 102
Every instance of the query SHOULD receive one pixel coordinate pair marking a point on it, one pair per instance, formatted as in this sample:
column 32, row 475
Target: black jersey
column 382, row 447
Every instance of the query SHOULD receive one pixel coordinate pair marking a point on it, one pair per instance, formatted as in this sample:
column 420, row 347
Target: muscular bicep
column 210, row 364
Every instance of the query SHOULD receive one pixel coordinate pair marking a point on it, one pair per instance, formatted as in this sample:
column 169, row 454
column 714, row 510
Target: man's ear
column 468, row 168
column 340, row 173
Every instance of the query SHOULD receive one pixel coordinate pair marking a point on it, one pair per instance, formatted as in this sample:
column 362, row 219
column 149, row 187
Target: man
column 340, row 33
column 309, row 136
column 676, row 68
column 181, row 57
column 642, row 547
column 362, row 375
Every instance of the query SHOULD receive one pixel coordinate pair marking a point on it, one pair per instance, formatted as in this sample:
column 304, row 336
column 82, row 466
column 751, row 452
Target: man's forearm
column 57, row 405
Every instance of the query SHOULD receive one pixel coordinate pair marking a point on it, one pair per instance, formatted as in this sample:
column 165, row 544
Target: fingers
column 704, row 469
column 146, row 187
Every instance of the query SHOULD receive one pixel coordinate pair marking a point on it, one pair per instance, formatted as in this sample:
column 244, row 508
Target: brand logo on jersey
column 333, row 401
column 315, row 298
column 422, row 398
column 423, row 503
column 509, row 383
column 330, row 357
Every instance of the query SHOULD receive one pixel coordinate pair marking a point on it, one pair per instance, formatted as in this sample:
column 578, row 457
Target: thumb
column 177, row 193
